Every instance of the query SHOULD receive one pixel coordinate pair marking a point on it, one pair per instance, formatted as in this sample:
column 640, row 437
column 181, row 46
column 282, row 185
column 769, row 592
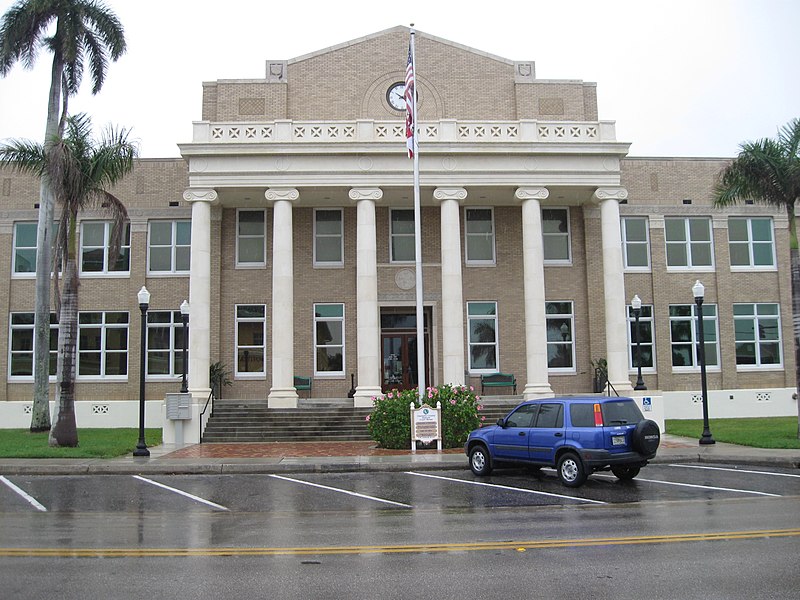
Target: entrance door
column 399, row 350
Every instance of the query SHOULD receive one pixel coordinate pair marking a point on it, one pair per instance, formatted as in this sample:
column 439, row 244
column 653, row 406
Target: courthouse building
column 288, row 224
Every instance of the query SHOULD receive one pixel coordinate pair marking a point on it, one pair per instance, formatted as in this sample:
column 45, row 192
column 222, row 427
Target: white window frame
column 710, row 328
column 106, row 270
column 756, row 318
column 393, row 235
column 560, row 234
column 263, row 346
column 104, row 352
column 319, row 263
column 260, row 264
column 687, row 243
column 750, row 242
column 471, row 343
column 175, row 324
column 32, row 352
column 16, row 247
column 569, row 317
column 174, row 246
column 317, row 345
column 468, row 234
column 627, row 244
column 643, row 318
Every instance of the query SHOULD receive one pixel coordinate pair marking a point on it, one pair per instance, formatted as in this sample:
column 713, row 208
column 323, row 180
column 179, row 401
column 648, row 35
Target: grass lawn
column 92, row 443
column 761, row 432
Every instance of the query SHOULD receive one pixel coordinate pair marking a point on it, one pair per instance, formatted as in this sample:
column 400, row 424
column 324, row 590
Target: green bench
column 498, row 380
column 303, row 384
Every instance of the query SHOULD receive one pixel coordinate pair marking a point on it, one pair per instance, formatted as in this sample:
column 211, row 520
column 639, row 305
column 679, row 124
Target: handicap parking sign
column 647, row 403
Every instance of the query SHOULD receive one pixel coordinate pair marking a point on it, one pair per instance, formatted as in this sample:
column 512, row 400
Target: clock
column 395, row 95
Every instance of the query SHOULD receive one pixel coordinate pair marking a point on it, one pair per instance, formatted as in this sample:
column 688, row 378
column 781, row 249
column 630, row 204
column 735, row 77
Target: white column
column 614, row 288
column 452, row 295
column 367, row 312
column 537, row 384
column 282, row 393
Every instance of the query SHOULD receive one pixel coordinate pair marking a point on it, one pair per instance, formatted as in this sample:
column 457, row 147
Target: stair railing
column 205, row 408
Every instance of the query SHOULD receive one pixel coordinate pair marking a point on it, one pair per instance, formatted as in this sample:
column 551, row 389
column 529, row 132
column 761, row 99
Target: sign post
column 426, row 425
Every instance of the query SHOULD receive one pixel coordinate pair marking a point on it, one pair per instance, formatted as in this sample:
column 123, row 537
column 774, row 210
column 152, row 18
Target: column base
column 282, row 398
column 364, row 396
column 625, row 388
column 537, row 390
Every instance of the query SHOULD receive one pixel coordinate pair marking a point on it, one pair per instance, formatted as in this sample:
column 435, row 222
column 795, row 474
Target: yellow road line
column 395, row 549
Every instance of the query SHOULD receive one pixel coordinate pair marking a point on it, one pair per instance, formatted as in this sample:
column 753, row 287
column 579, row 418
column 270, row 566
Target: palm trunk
column 794, row 260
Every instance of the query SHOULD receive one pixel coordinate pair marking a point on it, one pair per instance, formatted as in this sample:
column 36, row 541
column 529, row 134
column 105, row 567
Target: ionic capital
column 611, row 193
column 532, row 193
column 288, row 194
column 357, row 194
column 457, row 194
column 199, row 195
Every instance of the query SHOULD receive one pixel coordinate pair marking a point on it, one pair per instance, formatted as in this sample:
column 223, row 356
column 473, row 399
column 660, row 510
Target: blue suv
column 576, row 435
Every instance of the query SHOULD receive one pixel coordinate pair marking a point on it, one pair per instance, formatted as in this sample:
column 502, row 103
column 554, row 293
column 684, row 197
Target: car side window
column 550, row 415
column 523, row 416
column 582, row 415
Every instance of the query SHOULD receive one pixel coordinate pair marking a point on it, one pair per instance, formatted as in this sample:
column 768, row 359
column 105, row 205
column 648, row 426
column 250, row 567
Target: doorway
column 399, row 348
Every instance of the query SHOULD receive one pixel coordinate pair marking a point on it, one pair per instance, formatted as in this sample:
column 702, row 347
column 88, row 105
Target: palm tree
column 768, row 171
column 80, row 170
column 86, row 33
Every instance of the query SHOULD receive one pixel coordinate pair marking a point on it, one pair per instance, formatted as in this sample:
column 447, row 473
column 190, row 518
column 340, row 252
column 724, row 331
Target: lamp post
column 699, row 290
column 185, row 319
column 144, row 301
column 636, row 305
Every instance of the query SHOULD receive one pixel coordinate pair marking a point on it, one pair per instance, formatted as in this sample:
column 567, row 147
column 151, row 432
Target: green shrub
column 389, row 423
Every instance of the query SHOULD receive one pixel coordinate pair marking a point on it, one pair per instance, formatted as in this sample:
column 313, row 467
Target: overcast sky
column 679, row 77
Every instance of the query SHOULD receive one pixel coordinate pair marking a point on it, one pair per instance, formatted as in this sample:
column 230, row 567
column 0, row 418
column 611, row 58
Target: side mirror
column 501, row 422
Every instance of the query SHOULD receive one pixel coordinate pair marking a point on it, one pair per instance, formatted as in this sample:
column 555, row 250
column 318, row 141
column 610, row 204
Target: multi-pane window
column 165, row 343
column 758, row 334
column 750, row 242
column 401, row 233
column 688, row 242
column 479, row 234
column 685, row 337
column 24, row 247
column 251, row 340
column 329, row 339
column 560, row 340
column 555, row 235
column 169, row 246
column 482, row 326
column 328, row 238
column 95, row 255
column 22, row 343
column 103, row 344
column 636, row 243
column 251, row 238
column 645, row 338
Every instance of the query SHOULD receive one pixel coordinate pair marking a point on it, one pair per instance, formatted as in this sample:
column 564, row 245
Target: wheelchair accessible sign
column 426, row 425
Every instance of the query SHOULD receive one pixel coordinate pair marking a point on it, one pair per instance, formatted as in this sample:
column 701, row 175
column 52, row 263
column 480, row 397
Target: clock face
column 395, row 96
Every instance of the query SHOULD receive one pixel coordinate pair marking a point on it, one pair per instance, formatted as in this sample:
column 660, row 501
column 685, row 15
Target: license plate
column 617, row 440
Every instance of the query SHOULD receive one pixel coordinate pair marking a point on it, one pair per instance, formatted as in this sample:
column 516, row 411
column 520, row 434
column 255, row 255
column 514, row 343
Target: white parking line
column 30, row 499
column 694, row 485
column 348, row 492
column 737, row 470
column 181, row 492
column 505, row 487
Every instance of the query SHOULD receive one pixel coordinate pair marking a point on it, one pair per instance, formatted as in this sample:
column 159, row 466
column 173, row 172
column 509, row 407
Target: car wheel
column 646, row 437
column 570, row 470
column 625, row 472
column 479, row 460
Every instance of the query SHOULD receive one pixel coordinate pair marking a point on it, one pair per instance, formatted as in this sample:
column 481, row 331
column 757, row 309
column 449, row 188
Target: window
column 95, row 239
column 165, row 343
column 684, row 337
column 21, row 345
column 479, row 233
column 25, row 247
column 482, row 322
column 560, row 341
column 555, row 232
column 645, row 338
column 251, row 340
column 550, row 416
column 688, row 242
column 758, row 335
column 402, row 235
column 251, row 238
column 328, row 238
column 750, row 242
column 103, row 345
column 523, row 416
column 169, row 246
column 329, row 339
column 636, row 243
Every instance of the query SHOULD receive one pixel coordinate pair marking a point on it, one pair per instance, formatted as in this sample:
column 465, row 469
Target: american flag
column 409, row 96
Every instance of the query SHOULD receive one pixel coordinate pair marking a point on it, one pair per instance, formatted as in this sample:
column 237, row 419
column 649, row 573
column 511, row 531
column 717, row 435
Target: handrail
column 611, row 387
column 205, row 408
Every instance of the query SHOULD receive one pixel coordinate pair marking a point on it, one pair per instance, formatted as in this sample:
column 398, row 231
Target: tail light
column 598, row 416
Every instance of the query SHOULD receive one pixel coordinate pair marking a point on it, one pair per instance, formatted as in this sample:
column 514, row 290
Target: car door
column 547, row 432
column 511, row 440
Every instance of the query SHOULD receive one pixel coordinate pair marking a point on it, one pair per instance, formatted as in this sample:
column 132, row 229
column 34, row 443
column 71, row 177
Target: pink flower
column 480, row 407
column 389, row 395
column 367, row 418
column 483, row 418
column 471, row 389
column 430, row 395
column 452, row 401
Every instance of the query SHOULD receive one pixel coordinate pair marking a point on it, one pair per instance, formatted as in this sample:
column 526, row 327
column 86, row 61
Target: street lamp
column 698, row 290
column 144, row 301
column 636, row 305
column 185, row 319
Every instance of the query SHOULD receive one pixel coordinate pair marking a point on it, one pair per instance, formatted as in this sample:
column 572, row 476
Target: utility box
column 179, row 406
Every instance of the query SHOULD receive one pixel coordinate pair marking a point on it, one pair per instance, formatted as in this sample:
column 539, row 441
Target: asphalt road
column 677, row 531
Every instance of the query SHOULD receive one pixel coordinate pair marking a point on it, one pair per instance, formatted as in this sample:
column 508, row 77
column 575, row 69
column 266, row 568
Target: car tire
column 625, row 472
column 646, row 437
column 571, row 471
column 480, row 461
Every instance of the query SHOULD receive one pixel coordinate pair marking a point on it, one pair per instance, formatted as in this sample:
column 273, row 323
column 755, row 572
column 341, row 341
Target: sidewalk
column 306, row 457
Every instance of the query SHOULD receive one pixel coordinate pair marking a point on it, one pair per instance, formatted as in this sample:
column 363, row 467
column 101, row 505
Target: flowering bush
column 389, row 423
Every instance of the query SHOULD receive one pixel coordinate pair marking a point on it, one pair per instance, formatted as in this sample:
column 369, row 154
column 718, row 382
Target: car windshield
column 621, row 412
